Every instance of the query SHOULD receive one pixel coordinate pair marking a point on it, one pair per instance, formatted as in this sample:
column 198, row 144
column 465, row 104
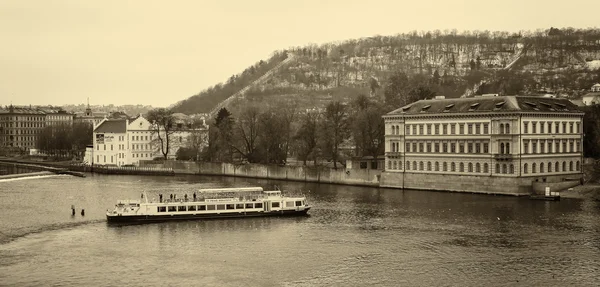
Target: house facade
column 497, row 144
column 124, row 142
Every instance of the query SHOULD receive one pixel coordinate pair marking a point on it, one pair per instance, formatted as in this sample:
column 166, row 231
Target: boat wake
column 7, row 237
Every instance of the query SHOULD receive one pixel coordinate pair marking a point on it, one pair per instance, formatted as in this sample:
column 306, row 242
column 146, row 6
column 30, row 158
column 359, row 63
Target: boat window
column 211, row 207
column 239, row 206
column 220, row 206
column 289, row 204
column 172, row 208
column 161, row 208
column 201, row 207
column 181, row 208
column 275, row 204
column 298, row 203
column 249, row 205
column 230, row 206
column 191, row 208
column 258, row 205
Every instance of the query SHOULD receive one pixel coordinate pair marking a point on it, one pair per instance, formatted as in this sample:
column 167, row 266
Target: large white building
column 124, row 142
column 498, row 144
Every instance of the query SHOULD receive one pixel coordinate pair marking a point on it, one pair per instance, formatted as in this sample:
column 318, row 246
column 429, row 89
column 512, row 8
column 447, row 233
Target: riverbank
column 586, row 191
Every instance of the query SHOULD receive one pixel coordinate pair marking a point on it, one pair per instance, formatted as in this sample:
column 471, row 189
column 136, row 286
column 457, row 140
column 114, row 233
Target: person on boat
column 194, row 196
column 185, row 197
column 171, row 196
column 160, row 197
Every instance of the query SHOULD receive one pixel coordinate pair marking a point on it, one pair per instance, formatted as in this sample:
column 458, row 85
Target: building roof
column 488, row 104
column 112, row 126
column 591, row 95
column 21, row 110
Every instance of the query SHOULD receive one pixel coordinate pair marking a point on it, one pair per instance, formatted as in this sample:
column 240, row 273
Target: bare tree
column 162, row 127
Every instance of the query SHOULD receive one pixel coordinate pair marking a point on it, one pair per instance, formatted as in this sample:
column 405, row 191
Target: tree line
column 65, row 140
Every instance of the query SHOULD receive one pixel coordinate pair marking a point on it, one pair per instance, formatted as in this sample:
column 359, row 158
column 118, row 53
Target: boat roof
column 232, row 189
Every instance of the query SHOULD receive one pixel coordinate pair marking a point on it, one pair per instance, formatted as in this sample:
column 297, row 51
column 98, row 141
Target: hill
column 415, row 65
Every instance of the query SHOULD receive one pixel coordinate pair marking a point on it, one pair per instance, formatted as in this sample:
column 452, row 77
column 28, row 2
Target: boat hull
column 176, row 217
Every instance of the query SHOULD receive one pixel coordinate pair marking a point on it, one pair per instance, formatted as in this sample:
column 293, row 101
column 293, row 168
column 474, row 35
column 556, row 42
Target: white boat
column 209, row 204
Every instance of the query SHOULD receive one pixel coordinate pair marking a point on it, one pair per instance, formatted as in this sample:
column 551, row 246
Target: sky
column 160, row 52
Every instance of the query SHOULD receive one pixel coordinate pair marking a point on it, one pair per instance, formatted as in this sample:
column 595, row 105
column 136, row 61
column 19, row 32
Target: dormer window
column 426, row 107
column 473, row 107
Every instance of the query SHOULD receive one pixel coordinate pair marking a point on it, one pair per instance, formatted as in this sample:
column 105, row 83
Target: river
column 354, row 236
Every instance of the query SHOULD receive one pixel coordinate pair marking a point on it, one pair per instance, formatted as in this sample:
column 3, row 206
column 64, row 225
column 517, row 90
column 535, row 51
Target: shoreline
column 586, row 191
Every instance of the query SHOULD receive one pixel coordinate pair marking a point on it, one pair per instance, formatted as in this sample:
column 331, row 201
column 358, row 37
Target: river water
column 354, row 236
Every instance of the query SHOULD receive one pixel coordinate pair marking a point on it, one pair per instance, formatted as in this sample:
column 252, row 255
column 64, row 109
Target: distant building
column 110, row 143
column 593, row 97
column 21, row 126
column 484, row 144
column 93, row 118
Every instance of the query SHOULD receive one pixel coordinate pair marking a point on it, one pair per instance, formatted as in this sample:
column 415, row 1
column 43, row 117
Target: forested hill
column 409, row 66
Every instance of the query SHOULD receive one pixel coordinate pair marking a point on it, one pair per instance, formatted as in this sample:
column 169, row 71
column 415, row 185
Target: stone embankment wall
column 365, row 177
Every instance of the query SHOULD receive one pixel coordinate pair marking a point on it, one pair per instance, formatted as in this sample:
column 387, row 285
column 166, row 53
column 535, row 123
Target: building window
column 577, row 167
column 556, row 127
column 485, row 129
column 444, row 129
column 437, row 129
column 485, row 168
column 525, row 171
column 407, row 165
column 571, row 166
column 445, row 166
column 534, row 128
column 507, row 127
column 437, row 147
column 420, row 147
column 477, row 128
column 395, row 164
column 512, row 169
column 407, row 147
column 556, row 167
column 453, row 147
column 501, row 128
column 541, row 167
column 428, row 147
column 525, row 127
column 445, row 147
column 461, row 129
column 578, row 129
column 564, row 146
column 549, row 167
column 461, row 147
column 542, row 124
column 504, row 170
column 557, row 146
column 497, row 168
column 421, row 165
column 399, row 164
column 429, row 129
column 571, row 147
column 452, row 167
column 564, row 124
column 421, row 130
column 453, row 128
column 501, row 148
column 477, row 167
column 564, row 166
column 429, row 166
column 461, row 167
column 390, row 164
column 437, row 166
column 470, row 129
column 470, row 167
column 542, row 145
column 534, row 147
column 414, row 147
column 533, row 169
column 571, row 127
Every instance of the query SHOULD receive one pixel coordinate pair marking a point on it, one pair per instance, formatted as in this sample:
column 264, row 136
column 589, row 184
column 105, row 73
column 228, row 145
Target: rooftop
column 488, row 104
column 112, row 126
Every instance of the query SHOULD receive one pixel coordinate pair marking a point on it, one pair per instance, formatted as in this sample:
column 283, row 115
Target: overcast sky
column 159, row 52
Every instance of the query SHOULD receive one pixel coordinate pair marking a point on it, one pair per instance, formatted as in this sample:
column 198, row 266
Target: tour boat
column 209, row 204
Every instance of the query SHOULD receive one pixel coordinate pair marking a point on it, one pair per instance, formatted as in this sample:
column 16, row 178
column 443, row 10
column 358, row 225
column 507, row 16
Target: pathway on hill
column 471, row 91
column 240, row 94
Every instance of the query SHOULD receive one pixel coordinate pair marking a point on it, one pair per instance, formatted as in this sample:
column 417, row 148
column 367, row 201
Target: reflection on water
column 354, row 236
